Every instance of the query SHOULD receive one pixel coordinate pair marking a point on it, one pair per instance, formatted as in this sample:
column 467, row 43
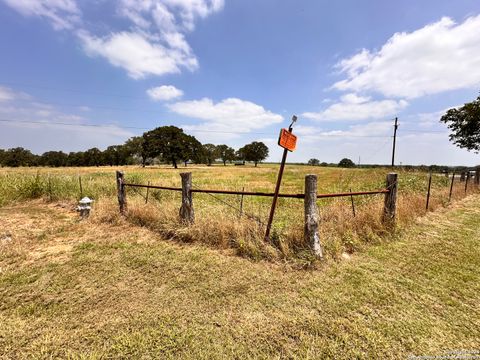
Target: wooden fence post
column 81, row 187
column 311, row 215
column 451, row 187
column 477, row 176
column 121, row 193
column 462, row 176
column 146, row 196
column 390, row 204
column 186, row 210
column 428, row 190
column 466, row 181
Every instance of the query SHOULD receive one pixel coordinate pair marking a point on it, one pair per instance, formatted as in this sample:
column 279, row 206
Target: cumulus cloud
column 438, row 57
column 229, row 115
column 62, row 14
column 137, row 54
column 352, row 107
column 153, row 43
column 164, row 93
column 157, row 35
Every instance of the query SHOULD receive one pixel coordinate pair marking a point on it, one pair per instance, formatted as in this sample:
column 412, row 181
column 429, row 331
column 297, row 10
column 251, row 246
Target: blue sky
column 236, row 71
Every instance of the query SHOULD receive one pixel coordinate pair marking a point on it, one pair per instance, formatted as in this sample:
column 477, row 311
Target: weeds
column 219, row 225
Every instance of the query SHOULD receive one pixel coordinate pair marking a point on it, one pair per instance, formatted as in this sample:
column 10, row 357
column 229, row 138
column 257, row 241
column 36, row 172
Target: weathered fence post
column 121, row 193
column 462, row 176
column 466, row 181
column 146, row 196
column 353, row 204
column 186, row 210
column 81, row 187
column 311, row 215
column 477, row 176
column 241, row 202
column 451, row 187
column 390, row 204
column 428, row 190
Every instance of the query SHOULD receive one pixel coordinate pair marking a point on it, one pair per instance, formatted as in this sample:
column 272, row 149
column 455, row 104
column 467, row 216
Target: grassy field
column 97, row 290
column 217, row 217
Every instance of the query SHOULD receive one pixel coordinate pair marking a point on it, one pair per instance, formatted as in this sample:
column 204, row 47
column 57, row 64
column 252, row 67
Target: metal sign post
column 288, row 141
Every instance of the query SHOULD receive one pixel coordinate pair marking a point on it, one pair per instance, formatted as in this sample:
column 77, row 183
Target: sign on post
column 287, row 140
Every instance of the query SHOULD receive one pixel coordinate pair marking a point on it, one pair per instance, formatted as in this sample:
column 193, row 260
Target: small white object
column 84, row 207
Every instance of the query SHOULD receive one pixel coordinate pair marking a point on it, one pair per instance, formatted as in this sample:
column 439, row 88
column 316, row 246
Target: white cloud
column 229, row 115
column 164, row 93
column 438, row 57
column 153, row 43
column 62, row 14
column 137, row 54
column 353, row 107
column 6, row 94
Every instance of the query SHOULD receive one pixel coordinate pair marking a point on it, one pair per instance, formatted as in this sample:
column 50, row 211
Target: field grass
column 217, row 217
column 97, row 290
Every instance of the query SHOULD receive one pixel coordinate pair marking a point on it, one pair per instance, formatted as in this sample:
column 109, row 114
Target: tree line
column 165, row 144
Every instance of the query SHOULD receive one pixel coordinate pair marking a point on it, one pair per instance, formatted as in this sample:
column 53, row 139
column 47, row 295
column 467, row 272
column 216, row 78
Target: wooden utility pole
column 395, row 127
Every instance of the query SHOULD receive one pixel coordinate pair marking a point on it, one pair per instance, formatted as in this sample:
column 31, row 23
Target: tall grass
column 218, row 221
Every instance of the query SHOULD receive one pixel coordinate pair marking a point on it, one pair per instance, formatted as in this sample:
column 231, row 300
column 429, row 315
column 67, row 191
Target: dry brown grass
column 219, row 225
column 106, row 288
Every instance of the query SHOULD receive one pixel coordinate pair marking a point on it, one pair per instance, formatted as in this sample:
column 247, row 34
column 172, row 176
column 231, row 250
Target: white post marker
column 84, row 207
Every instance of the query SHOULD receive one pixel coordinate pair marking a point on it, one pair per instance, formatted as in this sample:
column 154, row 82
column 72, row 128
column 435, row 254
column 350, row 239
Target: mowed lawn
column 73, row 289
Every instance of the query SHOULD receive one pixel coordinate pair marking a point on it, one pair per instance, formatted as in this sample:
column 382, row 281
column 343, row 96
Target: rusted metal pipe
column 257, row 193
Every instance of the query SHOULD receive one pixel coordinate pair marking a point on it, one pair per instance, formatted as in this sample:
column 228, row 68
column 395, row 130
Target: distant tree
column 76, row 159
column 54, row 158
column 115, row 155
column 19, row 157
column 92, row 157
column 226, row 153
column 240, row 155
column 211, row 153
column 2, row 157
column 324, row 164
column 168, row 142
column 191, row 150
column 464, row 122
column 256, row 151
column 314, row 162
column 346, row 163
column 134, row 147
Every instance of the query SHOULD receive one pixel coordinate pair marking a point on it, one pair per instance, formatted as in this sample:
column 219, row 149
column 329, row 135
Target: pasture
column 113, row 290
column 218, row 220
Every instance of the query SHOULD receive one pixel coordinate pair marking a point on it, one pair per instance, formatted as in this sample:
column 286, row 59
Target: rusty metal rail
column 153, row 187
column 256, row 193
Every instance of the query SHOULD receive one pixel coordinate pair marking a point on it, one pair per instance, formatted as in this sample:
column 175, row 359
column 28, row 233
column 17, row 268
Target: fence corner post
column 390, row 204
column 186, row 210
column 311, row 216
column 121, row 193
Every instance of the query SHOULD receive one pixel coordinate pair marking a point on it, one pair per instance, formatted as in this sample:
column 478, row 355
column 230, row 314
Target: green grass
column 120, row 291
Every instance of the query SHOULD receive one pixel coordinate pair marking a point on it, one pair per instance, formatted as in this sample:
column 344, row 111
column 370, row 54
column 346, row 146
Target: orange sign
column 287, row 140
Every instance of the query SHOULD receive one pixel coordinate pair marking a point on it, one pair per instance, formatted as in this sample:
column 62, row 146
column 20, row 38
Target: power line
column 57, row 123
column 50, row 123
